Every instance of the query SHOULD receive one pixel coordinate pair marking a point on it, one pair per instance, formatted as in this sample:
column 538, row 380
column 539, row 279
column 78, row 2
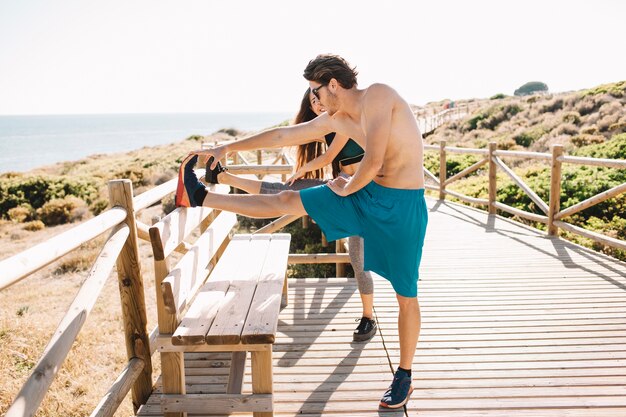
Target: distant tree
column 531, row 88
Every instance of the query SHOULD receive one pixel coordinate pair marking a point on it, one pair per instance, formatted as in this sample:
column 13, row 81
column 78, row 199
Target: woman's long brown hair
column 311, row 150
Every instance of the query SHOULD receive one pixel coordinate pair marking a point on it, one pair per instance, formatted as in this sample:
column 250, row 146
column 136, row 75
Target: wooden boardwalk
column 514, row 324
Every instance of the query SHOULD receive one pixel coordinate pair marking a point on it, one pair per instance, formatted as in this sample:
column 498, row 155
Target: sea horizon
column 31, row 141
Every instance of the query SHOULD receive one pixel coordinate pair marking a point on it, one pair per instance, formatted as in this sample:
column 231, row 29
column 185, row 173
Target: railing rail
column 553, row 215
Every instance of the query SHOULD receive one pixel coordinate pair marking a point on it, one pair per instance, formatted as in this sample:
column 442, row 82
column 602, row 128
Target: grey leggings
column 355, row 243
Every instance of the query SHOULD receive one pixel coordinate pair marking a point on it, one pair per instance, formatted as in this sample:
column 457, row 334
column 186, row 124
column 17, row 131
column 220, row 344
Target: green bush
column 62, row 210
column 530, row 136
column 617, row 90
column 531, row 88
column 615, row 148
column 16, row 190
column 497, row 96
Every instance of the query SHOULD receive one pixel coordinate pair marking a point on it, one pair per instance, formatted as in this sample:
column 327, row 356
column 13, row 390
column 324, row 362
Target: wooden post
column 132, row 294
column 259, row 161
column 305, row 222
column 340, row 268
column 324, row 241
column 555, row 189
column 492, row 178
column 262, row 382
column 442, row 170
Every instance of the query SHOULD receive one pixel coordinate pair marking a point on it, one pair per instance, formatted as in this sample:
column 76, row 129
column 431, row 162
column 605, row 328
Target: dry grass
column 32, row 309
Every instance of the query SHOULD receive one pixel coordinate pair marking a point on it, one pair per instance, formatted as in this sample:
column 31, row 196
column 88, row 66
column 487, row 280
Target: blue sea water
column 27, row 142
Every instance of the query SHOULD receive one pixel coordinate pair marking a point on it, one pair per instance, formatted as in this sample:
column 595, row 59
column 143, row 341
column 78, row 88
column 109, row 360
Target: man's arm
column 324, row 159
column 378, row 110
column 274, row 138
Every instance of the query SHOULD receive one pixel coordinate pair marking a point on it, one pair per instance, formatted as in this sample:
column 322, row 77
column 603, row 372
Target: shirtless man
column 383, row 202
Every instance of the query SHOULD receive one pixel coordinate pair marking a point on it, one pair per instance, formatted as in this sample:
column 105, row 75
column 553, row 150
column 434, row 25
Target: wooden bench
column 234, row 310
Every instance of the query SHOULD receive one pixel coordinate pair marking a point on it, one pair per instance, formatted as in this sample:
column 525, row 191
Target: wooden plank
column 199, row 317
column 187, row 276
column 109, row 404
column 21, row 265
column 235, row 377
column 217, row 403
column 533, row 196
column 230, row 319
column 262, row 321
column 34, row 389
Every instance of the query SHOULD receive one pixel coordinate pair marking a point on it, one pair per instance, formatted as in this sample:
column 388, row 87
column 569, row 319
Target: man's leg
column 259, row 206
column 409, row 324
column 191, row 193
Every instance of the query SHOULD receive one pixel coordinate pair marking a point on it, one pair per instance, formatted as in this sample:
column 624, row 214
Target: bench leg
column 237, row 368
column 285, row 298
column 262, row 382
column 173, row 376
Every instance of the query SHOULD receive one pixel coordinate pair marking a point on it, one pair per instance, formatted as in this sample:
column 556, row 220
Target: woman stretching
column 344, row 155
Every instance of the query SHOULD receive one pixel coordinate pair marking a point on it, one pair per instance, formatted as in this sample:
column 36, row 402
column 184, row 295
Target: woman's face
column 315, row 105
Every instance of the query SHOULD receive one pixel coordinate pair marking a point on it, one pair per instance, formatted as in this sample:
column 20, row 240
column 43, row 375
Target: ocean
column 28, row 142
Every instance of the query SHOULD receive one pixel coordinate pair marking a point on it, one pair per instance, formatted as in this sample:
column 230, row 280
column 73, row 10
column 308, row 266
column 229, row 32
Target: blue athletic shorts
column 391, row 221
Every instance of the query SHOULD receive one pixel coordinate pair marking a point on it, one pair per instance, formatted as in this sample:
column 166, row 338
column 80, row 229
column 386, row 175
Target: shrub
column 589, row 105
column 34, row 225
column 99, row 206
column 529, row 136
column 617, row 90
column 615, row 148
column 567, row 129
column 497, row 96
column 572, row 117
column 168, row 204
column 16, row 190
column 493, row 117
column 589, row 130
column 20, row 213
column 62, row 210
column 585, row 139
column 553, row 106
column 196, row 138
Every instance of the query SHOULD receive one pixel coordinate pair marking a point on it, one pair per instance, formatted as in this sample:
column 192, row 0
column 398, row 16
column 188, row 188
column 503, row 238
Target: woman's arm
column 321, row 161
column 273, row 138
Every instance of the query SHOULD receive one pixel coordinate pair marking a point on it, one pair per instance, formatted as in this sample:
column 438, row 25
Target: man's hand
column 218, row 153
column 338, row 186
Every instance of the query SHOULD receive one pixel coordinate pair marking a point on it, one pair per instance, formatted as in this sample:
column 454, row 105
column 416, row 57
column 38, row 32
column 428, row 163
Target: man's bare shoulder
column 378, row 96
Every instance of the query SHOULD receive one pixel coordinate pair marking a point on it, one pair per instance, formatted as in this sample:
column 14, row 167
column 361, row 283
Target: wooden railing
column 552, row 214
column 429, row 122
column 120, row 248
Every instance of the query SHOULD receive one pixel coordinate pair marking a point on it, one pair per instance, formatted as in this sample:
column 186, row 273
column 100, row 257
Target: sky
column 154, row 56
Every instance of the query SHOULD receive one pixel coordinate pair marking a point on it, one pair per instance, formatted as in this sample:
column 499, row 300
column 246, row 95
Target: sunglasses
column 316, row 91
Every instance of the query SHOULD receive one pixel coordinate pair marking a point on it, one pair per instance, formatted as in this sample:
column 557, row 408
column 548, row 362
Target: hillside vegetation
column 587, row 123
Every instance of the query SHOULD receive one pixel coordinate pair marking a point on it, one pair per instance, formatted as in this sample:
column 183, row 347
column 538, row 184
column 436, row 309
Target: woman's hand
column 218, row 153
column 299, row 174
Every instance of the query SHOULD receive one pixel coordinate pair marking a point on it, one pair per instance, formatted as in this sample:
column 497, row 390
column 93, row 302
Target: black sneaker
column 365, row 330
column 211, row 174
column 399, row 392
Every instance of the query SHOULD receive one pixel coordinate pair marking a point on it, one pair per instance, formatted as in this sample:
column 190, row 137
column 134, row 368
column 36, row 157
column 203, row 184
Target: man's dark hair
column 325, row 67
